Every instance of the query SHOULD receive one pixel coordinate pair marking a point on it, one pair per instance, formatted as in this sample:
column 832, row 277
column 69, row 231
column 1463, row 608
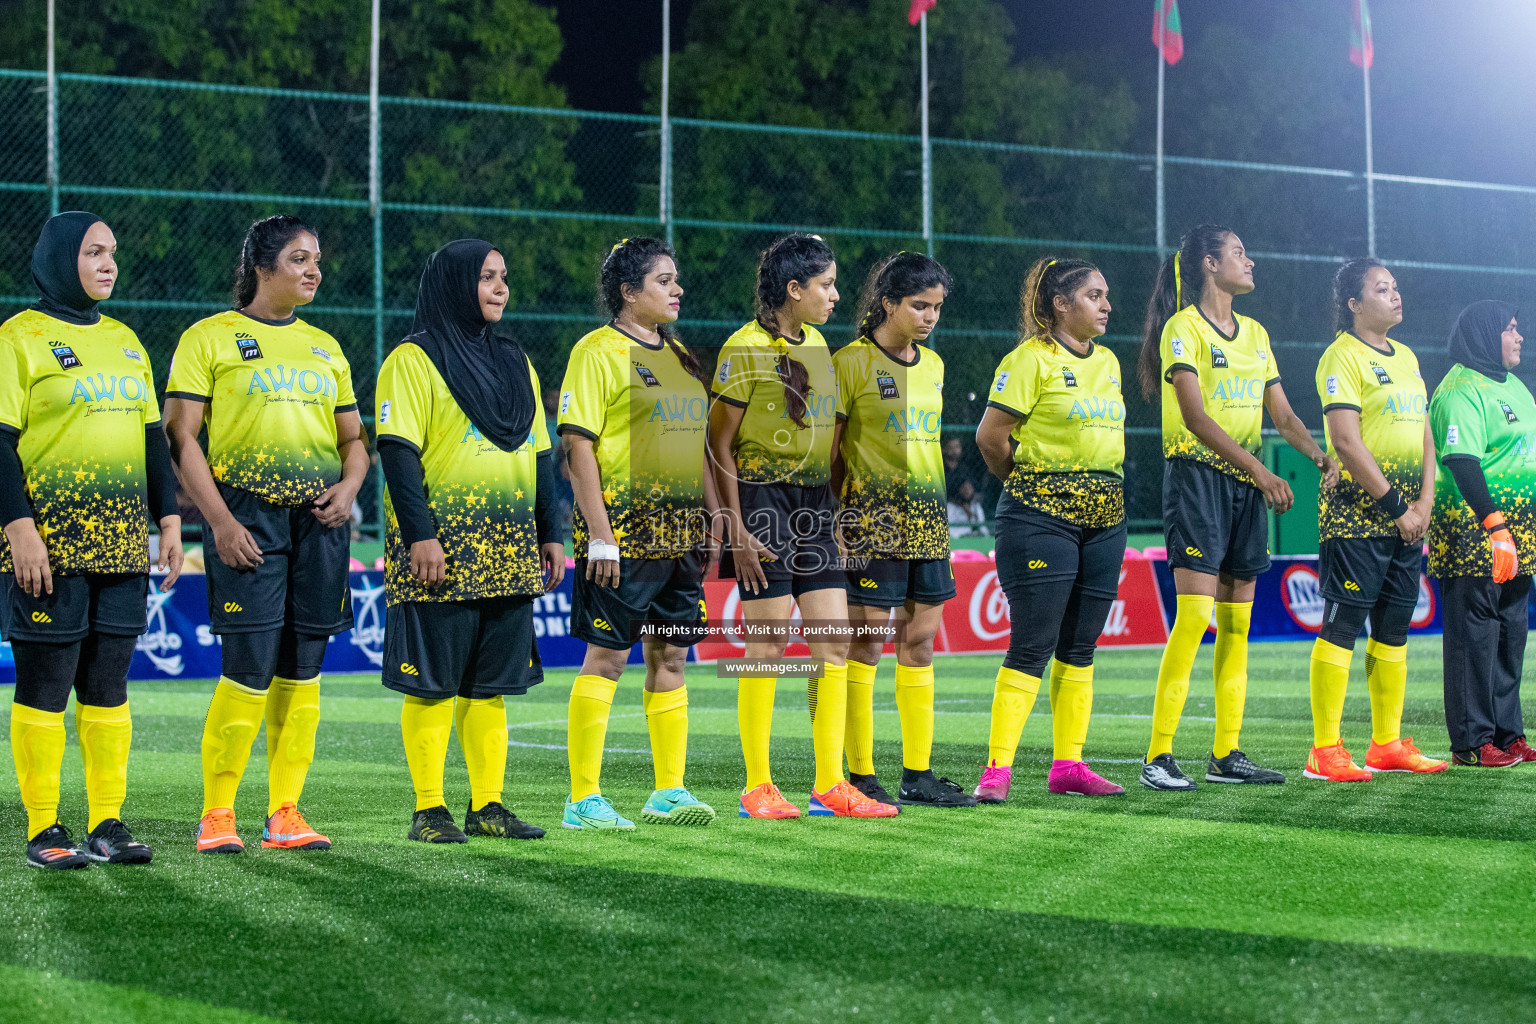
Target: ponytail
column 791, row 258
column 264, row 242
column 1047, row 278
column 895, row 278
column 1184, row 268
column 1348, row 284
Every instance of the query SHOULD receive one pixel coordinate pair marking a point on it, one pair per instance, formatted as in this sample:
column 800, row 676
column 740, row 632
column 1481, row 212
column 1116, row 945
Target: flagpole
column 53, row 123
column 664, row 204
column 927, row 146
column 1162, row 66
column 1370, row 170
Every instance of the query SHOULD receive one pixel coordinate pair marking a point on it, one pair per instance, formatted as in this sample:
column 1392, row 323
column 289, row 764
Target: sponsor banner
column 977, row 620
column 1288, row 600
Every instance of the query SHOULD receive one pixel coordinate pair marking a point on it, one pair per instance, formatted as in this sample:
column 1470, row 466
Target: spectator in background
column 967, row 515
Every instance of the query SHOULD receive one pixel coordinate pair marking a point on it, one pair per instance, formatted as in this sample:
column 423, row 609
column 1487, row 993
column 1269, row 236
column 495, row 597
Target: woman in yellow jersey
column 472, row 536
column 1054, row 433
column 286, row 456
column 83, row 466
column 770, row 439
column 1372, row 524
column 888, row 472
column 634, row 412
column 1217, row 375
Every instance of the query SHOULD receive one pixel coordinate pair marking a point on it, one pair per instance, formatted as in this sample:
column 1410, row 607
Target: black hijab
column 56, row 269
column 488, row 375
column 1477, row 340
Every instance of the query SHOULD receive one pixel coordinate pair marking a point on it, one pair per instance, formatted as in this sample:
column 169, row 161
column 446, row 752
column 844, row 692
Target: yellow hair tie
column 1034, row 300
column 1178, row 286
column 616, row 246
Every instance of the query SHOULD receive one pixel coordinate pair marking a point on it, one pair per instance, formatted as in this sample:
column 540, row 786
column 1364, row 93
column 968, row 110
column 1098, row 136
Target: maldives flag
column 1362, row 51
column 1167, row 33
column 918, row 9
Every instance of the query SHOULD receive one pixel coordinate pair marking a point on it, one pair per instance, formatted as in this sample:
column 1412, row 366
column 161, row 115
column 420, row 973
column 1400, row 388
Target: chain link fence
column 180, row 169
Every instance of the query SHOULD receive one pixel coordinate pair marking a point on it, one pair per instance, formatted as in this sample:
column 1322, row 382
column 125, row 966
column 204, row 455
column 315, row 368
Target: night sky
column 1454, row 83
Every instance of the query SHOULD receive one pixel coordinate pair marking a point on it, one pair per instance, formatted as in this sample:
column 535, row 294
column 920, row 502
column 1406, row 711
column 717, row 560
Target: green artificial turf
column 1407, row 898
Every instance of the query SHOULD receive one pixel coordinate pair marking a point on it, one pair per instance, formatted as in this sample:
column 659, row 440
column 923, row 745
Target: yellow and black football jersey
column 648, row 419
column 1388, row 392
column 1071, row 432
column 273, row 391
column 769, row 447
column 481, row 497
column 893, row 483
column 1233, row 373
column 79, row 398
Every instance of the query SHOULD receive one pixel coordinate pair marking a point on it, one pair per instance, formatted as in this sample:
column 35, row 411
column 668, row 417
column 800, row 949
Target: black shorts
column 892, row 582
column 1214, row 523
column 302, row 581
column 1370, row 571
column 662, row 591
column 797, row 525
column 1033, row 547
column 481, row 648
column 108, row 603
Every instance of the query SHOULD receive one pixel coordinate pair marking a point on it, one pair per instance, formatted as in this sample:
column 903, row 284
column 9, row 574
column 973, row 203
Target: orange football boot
column 767, row 802
column 1400, row 756
column 844, row 801
column 287, row 830
column 216, row 832
column 1333, row 764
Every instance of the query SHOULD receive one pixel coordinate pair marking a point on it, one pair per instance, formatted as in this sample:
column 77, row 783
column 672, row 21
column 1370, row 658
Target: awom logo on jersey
column 276, row 379
column 678, row 408
column 1097, row 409
column 104, row 388
column 1238, row 389
column 923, row 421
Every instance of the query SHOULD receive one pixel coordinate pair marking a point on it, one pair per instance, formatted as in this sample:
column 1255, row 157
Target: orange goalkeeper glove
column 1505, row 560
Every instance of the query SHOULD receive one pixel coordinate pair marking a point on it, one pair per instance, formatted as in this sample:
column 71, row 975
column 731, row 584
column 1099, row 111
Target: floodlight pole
column 1162, row 67
column 664, row 201
column 376, row 213
column 1370, row 169
column 927, row 144
column 53, row 123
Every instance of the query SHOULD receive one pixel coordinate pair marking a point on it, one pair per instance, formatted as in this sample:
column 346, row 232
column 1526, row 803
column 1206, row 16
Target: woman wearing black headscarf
column 1482, row 534
column 83, row 465
column 472, row 534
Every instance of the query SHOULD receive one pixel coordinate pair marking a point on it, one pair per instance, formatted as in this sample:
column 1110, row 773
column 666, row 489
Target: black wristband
column 1392, row 503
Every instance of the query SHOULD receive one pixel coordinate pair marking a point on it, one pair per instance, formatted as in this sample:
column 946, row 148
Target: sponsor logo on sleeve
column 1452, row 434
column 322, row 353
column 1002, row 382
column 725, row 372
column 1333, row 384
column 133, row 353
column 565, row 402
column 1178, row 348
column 384, row 411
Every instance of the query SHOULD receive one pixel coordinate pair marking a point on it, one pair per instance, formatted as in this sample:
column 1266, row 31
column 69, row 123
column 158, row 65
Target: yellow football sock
column 1330, row 678
column 754, row 720
column 1013, row 695
column 1231, row 672
column 105, row 735
column 37, row 744
column 828, row 698
column 234, row 719
column 1189, row 626
column 914, row 704
column 424, row 726
column 586, row 730
column 293, row 715
column 666, row 716
column 481, row 723
column 860, row 738
column 1386, row 677
column 1071, row 707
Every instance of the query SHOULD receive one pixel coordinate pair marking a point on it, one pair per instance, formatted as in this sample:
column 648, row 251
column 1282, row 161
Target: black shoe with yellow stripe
column 495, row 820
column 52, row 848
column 435, row 825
